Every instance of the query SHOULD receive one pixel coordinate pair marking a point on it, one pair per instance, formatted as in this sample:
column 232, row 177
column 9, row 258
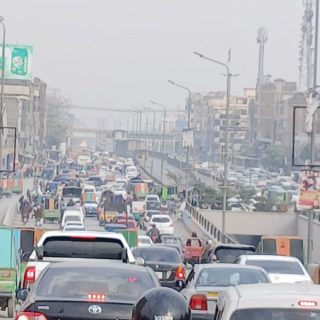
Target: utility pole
column 226, row 146
column 188, row 127
column 2, row 86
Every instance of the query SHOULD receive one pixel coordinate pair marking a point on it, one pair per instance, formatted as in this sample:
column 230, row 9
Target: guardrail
column 206, row 226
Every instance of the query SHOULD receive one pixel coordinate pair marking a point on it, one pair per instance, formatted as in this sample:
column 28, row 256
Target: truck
column 56, row 246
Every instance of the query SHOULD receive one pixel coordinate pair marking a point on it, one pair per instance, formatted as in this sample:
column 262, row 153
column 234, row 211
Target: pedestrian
column 38, row 215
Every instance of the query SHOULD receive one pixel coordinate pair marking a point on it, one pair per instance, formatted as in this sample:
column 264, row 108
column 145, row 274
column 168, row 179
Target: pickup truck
column 56, row 246
column 193, row 250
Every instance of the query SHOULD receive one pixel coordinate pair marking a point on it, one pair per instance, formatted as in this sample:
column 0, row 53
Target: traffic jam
column 106, row 248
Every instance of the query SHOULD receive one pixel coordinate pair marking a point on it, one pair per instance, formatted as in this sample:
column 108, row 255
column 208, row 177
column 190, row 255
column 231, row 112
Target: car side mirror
column 39, row 252
column 25, row 256
column 22, row 294
column 124, row 255
column 140, row 261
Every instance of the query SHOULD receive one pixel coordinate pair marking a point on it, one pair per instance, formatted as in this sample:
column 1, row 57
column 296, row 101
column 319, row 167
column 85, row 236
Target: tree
column 273, row 158
column 56, row 123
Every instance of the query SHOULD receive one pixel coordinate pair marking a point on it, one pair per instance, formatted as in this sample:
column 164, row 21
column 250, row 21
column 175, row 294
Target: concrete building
column 25, row 109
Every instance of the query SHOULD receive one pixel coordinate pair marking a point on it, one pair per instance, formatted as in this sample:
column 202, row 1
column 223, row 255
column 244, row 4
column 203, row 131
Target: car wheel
column 11, row 307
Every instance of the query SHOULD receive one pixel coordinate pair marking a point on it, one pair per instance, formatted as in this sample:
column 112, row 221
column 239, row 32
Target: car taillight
column 180, row 273
column 30, row 316
column 29, row 276
column 198, row 302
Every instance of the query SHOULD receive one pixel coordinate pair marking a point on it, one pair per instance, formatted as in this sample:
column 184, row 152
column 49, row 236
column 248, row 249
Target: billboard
column 309, row 190
column 18, row 62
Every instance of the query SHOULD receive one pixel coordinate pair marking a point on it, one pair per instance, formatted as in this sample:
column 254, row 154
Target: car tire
column 11, row 307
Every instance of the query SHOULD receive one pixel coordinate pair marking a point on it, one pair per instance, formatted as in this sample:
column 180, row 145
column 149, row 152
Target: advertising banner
column 18, row 62
column 309, row 190
column 187, row 138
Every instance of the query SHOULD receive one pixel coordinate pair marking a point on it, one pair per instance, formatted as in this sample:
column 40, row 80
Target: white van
column 72, row 216
column 267, row 301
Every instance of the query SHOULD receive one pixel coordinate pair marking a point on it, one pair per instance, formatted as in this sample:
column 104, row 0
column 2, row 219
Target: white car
column 144, row 241
column 279, row 268
column 163, row 223
column 131, row 172
column 71, row 216
column 74, row 226
column 152, row 198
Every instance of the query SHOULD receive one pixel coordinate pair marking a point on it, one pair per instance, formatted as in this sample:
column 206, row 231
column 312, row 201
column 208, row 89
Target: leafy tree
column 273, row 158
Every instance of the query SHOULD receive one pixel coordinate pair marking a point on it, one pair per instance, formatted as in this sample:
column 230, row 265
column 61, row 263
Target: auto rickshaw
column 9, row 271
column 138, row 211
column 51, row 210
column 131, row 235
column 168, row 192
column 110, row 205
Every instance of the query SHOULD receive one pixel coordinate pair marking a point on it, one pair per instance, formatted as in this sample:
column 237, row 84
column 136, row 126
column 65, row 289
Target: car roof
column 155, row 248
column 265, row 257
column 199, row 267
column 235, row 246
column 160, row 216
column 87, row 263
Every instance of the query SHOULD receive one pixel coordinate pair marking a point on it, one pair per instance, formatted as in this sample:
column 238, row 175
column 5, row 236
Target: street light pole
column 2, row 84
column 188, row 124
column 163, row 133
column 226, row 147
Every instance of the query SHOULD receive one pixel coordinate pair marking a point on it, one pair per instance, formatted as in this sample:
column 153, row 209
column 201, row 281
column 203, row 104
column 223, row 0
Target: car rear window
column 152, row 255
column 72, row 218
column 83, row 247
column 225, row 277
column 273, row 266
column 80, row 282
column 161, row 219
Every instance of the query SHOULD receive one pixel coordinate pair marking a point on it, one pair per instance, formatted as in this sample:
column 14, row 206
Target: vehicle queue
column 75, row 273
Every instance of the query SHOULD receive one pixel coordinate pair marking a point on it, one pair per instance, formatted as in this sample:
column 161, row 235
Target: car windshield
column 225, row 277
column 152, row 255
column 275, row 314
column 72, row 218
column 161, row 219
column 229, row 255
column 273, row 266
column 78, row 283
column 152, row 199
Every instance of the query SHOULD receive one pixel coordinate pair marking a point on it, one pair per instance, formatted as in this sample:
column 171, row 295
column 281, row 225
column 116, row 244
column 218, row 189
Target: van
column 69, row 215
column 267, row 301
column 289, row 246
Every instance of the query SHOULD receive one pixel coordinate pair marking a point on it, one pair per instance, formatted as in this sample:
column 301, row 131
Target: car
column 60, row 246
column 229, row 252
column 174, row 246
column 172, row 239
column 131, row 172
column 163, row 223
column 97, row 180
column 206, row 281
column 152, row 198
column 280, row 269
column 165, row 262
column 74, row 226
column 144, row 241
column 147, row 217
column 74, row 216
column 91, row 208
column 120, row 191
column 269, row 302
column 89, row 290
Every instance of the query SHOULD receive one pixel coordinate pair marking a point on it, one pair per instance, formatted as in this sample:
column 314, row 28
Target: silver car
column 205, row 282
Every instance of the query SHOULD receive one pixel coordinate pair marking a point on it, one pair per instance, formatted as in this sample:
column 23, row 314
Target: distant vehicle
column 165, row 262
column 162, row 222
column 73, row 193
column 144, row 241
column 71, row 216
column 290, row 246
column 193, row 250
column 147, row 217
column 72, row 290
column 269, row 302
column 279, row 269
column 152, row 198
column 91, row 208
column 74, row 226
column 206, row 281
column 132, row 172
column 97, row 180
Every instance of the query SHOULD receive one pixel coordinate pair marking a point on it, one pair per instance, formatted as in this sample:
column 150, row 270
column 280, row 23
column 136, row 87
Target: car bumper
column 167, row 231
column 201, row 316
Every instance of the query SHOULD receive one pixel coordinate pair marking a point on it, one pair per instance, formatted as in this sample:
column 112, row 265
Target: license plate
column 163, row 275
column 213, row 295
column 159, row 274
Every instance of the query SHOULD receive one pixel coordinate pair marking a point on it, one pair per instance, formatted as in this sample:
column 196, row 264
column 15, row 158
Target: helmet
column 161, row 304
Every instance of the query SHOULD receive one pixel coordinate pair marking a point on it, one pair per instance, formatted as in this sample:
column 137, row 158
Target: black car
column 166, row 262
column 97, row 181
column 86, row 290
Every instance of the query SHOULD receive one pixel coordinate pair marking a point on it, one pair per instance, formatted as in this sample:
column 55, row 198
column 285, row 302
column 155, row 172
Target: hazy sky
column 118, row 53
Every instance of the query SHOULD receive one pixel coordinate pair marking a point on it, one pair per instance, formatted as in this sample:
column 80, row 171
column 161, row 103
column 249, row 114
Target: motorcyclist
column 161, row 303
column 154, row 233
column 70, row 203
column 172, row 206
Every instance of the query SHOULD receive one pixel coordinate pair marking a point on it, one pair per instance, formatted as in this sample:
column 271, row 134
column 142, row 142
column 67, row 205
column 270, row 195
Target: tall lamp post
column 163, row 132
column 2, row 84
column 188, row 124
column 226, row 147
